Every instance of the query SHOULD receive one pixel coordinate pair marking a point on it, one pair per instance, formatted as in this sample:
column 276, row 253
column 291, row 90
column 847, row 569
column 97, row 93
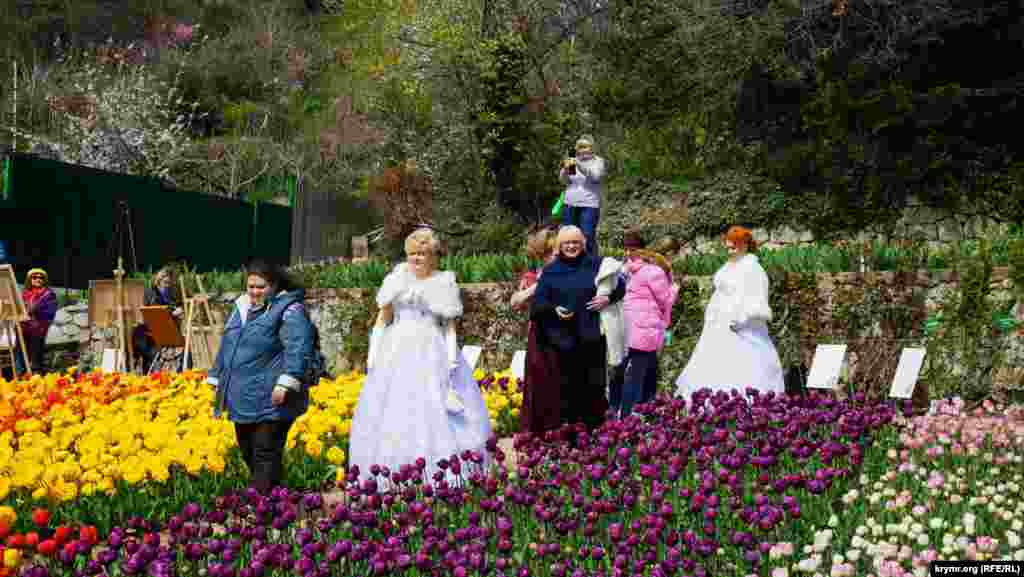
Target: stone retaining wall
column 875, row 313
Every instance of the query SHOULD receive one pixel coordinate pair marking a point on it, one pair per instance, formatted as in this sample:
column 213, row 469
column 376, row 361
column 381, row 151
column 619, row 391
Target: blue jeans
column 641, row 379
column 586, row 218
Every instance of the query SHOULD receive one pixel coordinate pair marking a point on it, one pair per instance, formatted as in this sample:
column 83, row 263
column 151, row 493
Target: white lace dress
column 724, row 360
column 401, row 414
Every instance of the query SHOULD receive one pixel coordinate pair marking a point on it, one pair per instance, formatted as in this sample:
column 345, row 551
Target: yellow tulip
column 7, row 516
column 335, row 455
column 314, row 448
column 135, row 428
column 12, row 558
column 216, row 465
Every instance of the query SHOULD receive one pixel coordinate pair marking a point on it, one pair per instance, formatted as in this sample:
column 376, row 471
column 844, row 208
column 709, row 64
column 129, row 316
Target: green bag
column 557, row 209
column 668, row 337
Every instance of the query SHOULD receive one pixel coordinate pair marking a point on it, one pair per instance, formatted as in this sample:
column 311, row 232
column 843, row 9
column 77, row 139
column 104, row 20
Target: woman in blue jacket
column 260, row 368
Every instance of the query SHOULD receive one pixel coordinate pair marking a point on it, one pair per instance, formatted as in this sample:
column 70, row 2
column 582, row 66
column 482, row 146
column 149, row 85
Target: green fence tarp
column 66, row 217
column 5, row 182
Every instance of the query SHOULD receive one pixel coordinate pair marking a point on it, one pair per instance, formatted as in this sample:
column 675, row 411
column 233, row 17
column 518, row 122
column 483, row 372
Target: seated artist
column 162, row 293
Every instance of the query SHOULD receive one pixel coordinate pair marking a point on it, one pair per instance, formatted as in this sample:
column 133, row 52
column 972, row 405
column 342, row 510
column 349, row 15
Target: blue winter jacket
column 256, row 354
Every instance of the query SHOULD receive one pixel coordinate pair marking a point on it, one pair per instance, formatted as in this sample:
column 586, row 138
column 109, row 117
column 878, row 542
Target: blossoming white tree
column 122, row 118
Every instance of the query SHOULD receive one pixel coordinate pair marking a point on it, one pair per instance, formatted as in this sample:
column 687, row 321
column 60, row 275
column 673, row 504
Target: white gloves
column 453, row 347
column 375, row 336
column 453, row 402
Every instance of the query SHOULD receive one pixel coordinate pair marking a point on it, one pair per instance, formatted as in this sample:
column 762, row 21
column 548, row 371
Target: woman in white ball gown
column 420, row 398
column 734, row 350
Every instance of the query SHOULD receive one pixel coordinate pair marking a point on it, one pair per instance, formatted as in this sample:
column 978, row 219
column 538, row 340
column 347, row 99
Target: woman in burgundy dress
column 541, row 392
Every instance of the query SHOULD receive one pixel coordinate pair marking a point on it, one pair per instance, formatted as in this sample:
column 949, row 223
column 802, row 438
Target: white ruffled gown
column 724, row 360
column 401, row 414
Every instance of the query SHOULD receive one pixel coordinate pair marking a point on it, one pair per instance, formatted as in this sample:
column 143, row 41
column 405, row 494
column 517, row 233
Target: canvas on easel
column 116, row 304
column 164, row 331
column 202, row 328
column 12, row 313
column 102, row 302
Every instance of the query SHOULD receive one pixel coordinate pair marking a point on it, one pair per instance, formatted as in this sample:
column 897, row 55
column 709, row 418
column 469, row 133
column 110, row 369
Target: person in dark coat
column 260, row 369
column 566, row 308
column 41, row 304
column 541, row 410
column 162, row 293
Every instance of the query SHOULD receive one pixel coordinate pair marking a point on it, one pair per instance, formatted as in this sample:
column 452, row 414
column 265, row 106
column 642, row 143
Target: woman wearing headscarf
column 41, row 305
column 735, row 350
column 566, row 307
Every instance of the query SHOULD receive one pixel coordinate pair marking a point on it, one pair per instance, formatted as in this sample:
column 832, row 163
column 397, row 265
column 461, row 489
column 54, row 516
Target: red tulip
column 16, row 541
column 89, row 534
column 4, row 531
column 31, row 539
column 62, row 534
column 41, row 517
column 47, row 548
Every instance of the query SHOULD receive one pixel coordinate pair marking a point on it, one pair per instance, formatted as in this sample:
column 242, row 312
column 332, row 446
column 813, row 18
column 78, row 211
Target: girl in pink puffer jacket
column 650, row 294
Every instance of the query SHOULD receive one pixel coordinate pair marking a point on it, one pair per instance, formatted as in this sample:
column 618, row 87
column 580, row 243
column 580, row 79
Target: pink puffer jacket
column 648, row 305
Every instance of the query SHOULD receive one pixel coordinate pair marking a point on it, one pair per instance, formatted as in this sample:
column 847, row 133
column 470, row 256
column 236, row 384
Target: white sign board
column 518, row 367
column 825, row 368
column 110, row 362
column 911, row 360
column 472, row 354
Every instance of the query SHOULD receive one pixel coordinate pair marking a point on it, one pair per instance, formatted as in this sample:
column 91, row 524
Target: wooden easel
column 112, row 306
column 12, row 312
column 207, row 330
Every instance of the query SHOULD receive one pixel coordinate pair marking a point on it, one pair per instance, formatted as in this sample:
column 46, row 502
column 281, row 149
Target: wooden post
column 24, row 348
column 125, row 348
column 187, row 303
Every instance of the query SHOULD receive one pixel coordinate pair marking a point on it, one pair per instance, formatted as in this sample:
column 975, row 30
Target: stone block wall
column 875, row 313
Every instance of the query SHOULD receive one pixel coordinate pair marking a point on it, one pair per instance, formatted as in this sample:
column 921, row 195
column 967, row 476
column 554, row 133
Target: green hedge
column 810, row 258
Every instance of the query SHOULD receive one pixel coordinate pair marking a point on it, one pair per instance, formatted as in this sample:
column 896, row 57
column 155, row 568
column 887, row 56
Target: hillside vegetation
column 828, row 117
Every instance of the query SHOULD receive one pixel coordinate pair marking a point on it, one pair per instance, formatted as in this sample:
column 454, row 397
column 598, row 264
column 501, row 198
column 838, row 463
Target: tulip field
column 127, row 475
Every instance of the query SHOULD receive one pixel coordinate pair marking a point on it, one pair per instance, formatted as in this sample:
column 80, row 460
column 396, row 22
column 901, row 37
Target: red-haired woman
column 542, row 399
column 734, row 350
